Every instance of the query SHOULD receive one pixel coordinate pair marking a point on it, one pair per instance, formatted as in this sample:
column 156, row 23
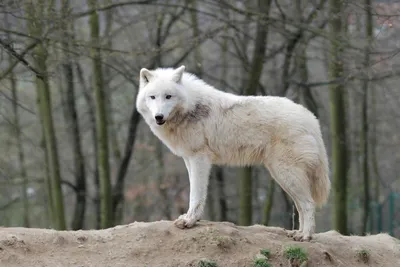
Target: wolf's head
column 160, row 93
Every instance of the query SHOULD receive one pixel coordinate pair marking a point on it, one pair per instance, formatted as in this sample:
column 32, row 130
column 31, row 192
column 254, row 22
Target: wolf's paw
column 301, row 237
column 185, row 221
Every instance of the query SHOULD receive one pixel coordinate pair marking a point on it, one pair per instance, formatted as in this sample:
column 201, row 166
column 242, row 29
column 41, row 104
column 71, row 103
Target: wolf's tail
column 321, row 185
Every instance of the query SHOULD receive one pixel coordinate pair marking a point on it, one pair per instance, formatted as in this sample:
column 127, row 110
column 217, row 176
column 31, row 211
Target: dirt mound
column 162, row 244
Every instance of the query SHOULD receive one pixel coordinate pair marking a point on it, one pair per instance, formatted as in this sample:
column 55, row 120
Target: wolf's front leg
column 199, row 170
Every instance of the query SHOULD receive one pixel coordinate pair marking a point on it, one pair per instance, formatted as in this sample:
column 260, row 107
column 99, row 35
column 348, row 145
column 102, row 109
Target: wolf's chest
column 184, row 143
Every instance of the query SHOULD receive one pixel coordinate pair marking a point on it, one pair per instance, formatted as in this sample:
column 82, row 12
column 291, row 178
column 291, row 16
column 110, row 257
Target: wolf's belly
column 239, row 155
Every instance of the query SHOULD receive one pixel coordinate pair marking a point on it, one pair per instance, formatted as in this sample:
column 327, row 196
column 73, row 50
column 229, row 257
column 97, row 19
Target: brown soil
column 162, row 244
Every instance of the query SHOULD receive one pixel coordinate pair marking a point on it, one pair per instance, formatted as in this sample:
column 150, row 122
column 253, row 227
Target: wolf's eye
column 168, row 96
column 152, row 97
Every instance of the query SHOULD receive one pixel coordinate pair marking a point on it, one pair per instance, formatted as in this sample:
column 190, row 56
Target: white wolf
column 207, row 126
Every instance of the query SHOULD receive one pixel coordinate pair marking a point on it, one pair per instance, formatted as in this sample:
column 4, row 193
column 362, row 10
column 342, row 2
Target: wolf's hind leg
column 199, row 170
column 290, row 233
column 294, row 181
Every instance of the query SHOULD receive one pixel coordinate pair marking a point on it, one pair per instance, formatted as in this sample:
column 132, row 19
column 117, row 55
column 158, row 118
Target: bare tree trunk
column 72, row 121
column 163, row 187
column 115, row 146
column 92, row 117
column 305, row 97
column 101, row 121
column 220, row 181
column 118, row 189
column 49, row 198
column 364, row 117
column 269, row 202
column 376, row 182
column 51, row 143
column 338, row 116
column 254, row 192
column 79, row 160
column 373, row 145
column 198, row 59
column 45, row 108
column 21, row 155
column 289, row 222
column 211, row 200
column 251, row 85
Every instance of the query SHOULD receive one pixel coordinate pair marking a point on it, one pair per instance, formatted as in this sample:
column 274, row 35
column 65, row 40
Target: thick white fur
column 207, row 126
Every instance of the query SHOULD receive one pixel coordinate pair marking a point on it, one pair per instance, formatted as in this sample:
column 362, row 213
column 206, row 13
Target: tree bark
column 45, row 109
column 289, row 221
column 197, row 56
column 17, row 128
column 364, row 116
column 21, row 155
column 220, row 184
column 49, row 197
column 72, row 121
column 305, row 97
column 338, row 123
column 101, row 121
column 162, row 186
column 251, row 86
column 269, row 202
column 115, row 146
column 92, row 118
column 118, row 189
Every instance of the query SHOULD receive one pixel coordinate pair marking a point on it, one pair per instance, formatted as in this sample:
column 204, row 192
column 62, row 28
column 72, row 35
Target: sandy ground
column 162, row 244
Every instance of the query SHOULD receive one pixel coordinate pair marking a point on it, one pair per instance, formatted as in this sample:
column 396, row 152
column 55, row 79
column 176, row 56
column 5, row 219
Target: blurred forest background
column 75, row 154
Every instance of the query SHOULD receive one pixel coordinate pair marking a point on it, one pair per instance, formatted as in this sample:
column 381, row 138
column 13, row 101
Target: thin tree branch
column 199, row 40
column 344, row 80
column 18, row 103
column 110, row 6
column 19, row 57
column 8, row 47
column 70, row 185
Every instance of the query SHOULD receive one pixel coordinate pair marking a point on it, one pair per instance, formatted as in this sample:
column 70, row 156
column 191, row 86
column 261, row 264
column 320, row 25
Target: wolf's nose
column 159, row 117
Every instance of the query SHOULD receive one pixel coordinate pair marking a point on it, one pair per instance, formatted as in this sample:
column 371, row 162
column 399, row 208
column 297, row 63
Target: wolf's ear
column 177, row 76
column 145, row 75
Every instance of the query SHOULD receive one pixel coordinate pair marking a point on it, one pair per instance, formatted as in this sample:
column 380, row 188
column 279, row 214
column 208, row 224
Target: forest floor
column 162, row 244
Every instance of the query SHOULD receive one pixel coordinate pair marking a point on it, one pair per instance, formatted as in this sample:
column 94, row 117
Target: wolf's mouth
column 160, row 122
